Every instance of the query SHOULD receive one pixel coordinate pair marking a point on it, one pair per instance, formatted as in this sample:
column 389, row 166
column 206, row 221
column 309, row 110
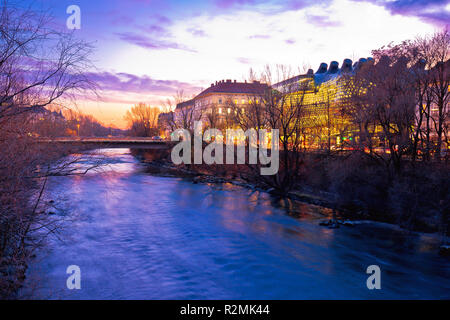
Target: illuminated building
column 322, row 95
column 214, row 103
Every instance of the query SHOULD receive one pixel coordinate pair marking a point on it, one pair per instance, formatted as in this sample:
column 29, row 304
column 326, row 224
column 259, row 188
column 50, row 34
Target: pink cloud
column 148, row 42
column 130, row 83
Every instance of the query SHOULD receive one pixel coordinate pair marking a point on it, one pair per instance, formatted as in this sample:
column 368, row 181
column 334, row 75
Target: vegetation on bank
column 347, row 182
column 39, row 67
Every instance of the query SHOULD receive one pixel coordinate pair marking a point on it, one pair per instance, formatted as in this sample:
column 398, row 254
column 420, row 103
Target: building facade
column 322, row 95
column 214, row 105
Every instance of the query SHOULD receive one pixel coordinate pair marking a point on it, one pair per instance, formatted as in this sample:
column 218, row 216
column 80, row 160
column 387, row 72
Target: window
column 220, row 100
column 220, row 110
column 242, row 101
column 229, row 110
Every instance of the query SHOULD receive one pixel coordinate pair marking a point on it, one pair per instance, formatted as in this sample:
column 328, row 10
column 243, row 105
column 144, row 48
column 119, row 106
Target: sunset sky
column 148, row 49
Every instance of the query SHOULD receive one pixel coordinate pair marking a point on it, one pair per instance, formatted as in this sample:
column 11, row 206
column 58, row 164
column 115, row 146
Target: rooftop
column 326, row 73
column 228, row 86
column 185, row 104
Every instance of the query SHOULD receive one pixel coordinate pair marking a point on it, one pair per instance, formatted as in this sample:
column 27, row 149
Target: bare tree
column 39, row 66
column 383, row 108
column 185, row 115
column 143, row 119
column 284, row 109
column 437, row 57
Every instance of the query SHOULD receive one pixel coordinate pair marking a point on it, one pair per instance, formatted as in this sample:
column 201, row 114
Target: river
column 139, row 236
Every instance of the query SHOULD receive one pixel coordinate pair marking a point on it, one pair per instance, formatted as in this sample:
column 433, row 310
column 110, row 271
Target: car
column 157, row 138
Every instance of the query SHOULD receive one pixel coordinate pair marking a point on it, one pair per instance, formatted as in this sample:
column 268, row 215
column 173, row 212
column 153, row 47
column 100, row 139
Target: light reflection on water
column 137, row 236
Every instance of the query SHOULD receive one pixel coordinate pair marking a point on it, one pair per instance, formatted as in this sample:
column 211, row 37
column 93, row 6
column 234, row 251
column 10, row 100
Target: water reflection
column 137, row 236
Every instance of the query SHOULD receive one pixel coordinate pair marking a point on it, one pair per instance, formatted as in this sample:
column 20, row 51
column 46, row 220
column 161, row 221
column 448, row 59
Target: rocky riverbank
column 342, row 216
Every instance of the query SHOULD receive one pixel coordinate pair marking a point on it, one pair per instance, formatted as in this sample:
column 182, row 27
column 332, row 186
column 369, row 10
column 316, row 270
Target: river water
column 138, row 236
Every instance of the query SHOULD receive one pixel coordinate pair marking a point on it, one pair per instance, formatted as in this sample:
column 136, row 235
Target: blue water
column 138, row 236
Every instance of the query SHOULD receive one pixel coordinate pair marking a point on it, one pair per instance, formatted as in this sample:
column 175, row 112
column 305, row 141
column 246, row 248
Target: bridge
column 113, row 142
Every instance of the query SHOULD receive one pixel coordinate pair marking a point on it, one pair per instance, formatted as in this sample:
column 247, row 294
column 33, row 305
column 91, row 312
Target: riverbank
column 27, row 217
column 167, row 168
column 344, row 213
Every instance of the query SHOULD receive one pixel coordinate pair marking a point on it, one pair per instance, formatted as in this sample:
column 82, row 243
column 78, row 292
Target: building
column 213, row 104
column 183, row 114
column 322, row 94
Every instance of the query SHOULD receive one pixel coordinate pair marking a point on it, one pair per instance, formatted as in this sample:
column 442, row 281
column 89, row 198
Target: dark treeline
column 67, row 123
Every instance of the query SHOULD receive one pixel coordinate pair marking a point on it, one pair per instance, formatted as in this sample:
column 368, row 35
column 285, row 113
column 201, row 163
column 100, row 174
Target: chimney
column 346, row 65
column 360, row 62
column 212, row 84
column 322, row 68
column 334, row 67
column 228, row 80
column 234, row 81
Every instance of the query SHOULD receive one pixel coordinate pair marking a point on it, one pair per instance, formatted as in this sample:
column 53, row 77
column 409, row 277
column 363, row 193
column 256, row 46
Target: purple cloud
column 130, row 83
column 259, row 36
column 301, row 4
column 162, row 19
column 322, row 21
column 432, row 11
column 243, row 60
column 119, row 20
column 150, row 43
column 225, row 4
column 290, row 41
column 197, row 32
column 157, row 28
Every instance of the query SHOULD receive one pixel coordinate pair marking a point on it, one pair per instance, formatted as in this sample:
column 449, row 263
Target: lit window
column 242, row 101
column 229, row 110
column 220, row 110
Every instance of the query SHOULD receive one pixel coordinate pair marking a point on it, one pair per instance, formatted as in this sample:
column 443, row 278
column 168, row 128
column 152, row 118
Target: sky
column 146, row 50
